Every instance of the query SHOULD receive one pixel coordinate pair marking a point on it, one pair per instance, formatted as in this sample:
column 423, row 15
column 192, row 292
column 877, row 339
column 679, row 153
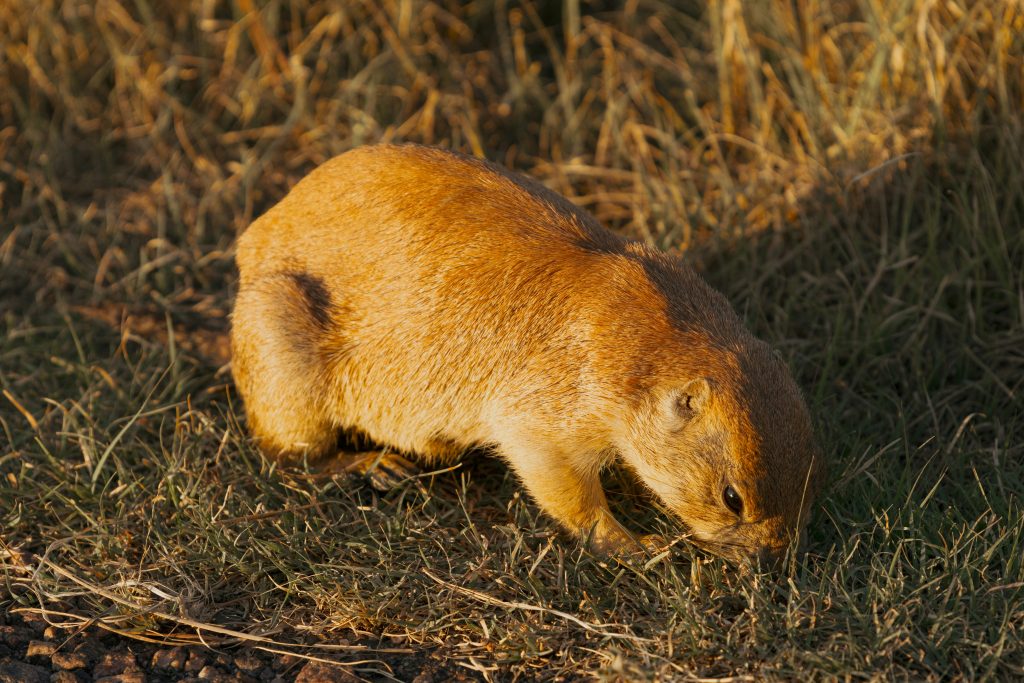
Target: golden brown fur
column 437, row 302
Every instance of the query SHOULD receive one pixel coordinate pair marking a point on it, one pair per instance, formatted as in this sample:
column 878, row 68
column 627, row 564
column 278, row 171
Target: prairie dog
column 435, row 302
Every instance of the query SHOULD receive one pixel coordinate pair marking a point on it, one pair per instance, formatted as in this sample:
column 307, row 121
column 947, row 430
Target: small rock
column 196, row 662
column 40, row 649
column 127, row 677
column 90, row 649
column 171, row 659
column 284, row 661
column 114, row 663
column 214, row 674
column 69, row 660
column 19, row 672
column 36, row 622
column 248, row 664
column 266, row 673
column 51, row 633
column 425, row 676
column 320, row 672
column 64, row 677
column 15, row 636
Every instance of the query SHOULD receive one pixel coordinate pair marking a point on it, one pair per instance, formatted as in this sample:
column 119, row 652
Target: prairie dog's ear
column 689, row 400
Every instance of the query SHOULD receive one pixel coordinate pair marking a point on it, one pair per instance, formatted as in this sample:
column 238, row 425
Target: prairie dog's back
column 423, row 205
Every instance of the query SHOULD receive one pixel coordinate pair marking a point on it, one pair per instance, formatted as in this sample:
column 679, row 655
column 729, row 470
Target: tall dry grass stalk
column 669, row 120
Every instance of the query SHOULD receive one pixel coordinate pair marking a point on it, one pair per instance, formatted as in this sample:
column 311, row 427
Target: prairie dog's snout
column 435, row 302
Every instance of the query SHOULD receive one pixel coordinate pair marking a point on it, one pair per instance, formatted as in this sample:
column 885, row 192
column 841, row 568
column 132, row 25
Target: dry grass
column 849, row 173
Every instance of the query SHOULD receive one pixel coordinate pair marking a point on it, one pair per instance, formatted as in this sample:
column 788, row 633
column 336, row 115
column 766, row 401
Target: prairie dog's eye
column 732, row 500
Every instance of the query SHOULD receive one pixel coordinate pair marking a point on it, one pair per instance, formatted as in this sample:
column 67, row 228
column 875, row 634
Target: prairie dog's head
column 731, row 451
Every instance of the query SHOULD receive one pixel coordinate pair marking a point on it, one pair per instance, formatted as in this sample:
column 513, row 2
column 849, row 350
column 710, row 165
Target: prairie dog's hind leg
column 283, row 339
column 382, row 469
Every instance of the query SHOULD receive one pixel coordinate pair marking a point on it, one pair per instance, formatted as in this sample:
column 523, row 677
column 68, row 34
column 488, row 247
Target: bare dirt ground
column 32, row 650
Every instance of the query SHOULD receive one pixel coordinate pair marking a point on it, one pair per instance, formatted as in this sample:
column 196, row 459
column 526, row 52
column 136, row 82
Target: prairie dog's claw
column 389, row 471
column 653, row 543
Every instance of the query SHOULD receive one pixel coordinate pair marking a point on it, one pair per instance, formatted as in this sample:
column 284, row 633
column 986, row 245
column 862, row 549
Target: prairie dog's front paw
column 626, row 545
column 615, row 540
column 610, row 542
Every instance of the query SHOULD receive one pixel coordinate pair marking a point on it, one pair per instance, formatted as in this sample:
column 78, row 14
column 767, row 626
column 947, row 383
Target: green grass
column 851, row 179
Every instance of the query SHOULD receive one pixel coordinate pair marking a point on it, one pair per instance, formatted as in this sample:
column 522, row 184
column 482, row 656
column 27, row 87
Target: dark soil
column 32, row 650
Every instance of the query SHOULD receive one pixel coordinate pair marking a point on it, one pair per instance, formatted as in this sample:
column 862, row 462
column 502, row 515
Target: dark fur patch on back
column 318, row 299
